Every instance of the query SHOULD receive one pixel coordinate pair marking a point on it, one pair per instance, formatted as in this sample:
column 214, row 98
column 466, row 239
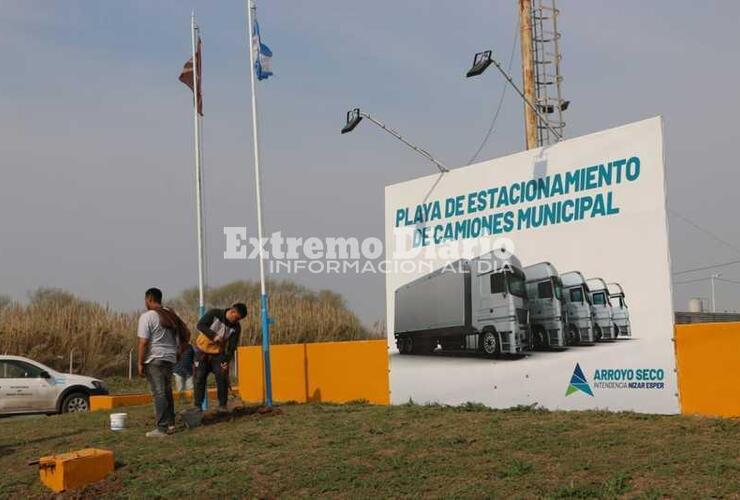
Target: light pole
column 714, row 303
column 483, row 60
column 355, row 116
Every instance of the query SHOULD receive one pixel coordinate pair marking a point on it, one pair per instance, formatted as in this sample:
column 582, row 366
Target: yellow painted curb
column 98, row 403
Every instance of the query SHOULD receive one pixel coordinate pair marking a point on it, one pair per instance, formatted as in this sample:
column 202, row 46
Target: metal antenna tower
column 546, row 55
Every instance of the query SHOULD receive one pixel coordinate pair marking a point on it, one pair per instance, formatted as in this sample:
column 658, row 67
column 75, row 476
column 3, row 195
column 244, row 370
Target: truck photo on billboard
column 541, row 278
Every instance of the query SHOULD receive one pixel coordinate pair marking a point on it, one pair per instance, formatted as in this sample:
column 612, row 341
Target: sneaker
column 156, row 433
column 171, row 429
column 222, row 409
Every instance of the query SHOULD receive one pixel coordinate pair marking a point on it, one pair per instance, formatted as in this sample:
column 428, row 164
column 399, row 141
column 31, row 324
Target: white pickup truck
column 27, row 386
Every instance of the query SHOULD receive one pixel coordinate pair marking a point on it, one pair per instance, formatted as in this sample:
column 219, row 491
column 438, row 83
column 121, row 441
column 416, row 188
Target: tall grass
column 55, row 323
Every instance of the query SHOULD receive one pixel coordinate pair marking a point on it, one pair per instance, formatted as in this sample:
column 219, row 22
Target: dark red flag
column 186, row 76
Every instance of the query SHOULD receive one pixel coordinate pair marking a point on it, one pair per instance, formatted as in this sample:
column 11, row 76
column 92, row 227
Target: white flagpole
column 198, row 182
column 265, row 317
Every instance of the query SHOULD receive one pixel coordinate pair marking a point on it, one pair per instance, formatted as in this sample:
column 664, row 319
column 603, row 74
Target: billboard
column 541, row 278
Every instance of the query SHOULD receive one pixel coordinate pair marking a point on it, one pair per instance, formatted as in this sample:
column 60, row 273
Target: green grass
column 365, row 451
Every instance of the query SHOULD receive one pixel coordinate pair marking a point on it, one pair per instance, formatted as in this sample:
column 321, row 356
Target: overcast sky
column 97, row 186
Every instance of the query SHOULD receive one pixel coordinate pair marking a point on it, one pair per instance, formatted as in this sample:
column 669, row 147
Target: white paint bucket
column 118, row 421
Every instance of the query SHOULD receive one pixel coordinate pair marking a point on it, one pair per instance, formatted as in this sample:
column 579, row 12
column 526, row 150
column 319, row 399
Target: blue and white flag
column 262, row 55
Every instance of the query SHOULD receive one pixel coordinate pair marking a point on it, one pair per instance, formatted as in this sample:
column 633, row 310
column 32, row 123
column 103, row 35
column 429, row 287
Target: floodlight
column 481, row 61
column 353, row 119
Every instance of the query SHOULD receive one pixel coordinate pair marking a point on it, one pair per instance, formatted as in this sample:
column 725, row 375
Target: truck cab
column 547, row 311
column 620, row 312
column 499, row 300
column 578, row 307
column 601, row 308
column 477, row 305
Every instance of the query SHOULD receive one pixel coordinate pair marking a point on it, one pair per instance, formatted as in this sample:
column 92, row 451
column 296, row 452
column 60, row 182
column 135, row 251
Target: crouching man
column 214, row 350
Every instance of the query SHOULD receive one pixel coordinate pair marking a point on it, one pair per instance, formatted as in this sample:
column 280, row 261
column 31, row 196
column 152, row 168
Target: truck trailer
column 578, row 307
column 546, row 306
column 620, row 312
column 475, row 305
column 602, row 310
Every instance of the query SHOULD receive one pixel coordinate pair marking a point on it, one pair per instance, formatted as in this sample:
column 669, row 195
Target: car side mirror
column 45, row 374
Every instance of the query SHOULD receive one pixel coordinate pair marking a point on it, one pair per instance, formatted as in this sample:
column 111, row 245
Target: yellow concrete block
column 75, row 469
column 708, row 359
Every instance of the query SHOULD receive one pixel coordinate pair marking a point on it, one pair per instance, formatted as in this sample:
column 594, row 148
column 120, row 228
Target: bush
column 56, row 322
column 299, row 313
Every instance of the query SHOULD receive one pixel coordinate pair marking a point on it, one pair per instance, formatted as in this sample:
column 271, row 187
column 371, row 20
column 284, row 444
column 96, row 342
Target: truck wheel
column 573, row 336
column 539, row 337
column 597, row 333
column 490, row 344
column 77, row 402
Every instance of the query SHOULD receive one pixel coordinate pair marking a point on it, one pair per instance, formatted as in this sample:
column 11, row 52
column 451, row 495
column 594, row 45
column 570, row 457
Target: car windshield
column 576, row 295
column 599, row 298
column 515, row 282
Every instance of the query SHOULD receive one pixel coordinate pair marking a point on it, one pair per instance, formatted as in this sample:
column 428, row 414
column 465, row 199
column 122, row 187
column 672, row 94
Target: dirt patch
column 99, row 489
column 215, row 417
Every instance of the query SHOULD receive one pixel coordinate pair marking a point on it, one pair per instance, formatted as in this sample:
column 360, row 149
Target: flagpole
column 265, row 317
column 198, row 182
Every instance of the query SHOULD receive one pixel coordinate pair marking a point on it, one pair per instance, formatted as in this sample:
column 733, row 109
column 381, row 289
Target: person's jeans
column 205, row 364
column 159, row 374
column 183, row 383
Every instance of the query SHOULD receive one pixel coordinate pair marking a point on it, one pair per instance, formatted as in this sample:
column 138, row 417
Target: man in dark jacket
column 214, row 350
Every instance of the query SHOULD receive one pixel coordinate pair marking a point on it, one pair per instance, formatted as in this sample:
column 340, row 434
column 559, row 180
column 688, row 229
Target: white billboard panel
column 559, row 292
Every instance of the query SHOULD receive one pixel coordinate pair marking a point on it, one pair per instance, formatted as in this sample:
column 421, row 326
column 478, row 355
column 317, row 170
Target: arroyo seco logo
column 616, row 378
column 578, row 382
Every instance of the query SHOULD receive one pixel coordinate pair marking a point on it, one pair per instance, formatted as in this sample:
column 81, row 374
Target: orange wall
column 708, row 360
column 326, row 371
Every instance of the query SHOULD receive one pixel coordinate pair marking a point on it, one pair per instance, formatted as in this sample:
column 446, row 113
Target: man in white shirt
column 158, row 350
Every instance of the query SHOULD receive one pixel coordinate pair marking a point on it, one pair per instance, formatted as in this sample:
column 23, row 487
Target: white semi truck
column 620, row 312
column 602, row 310
column 546, row 306
column 476, row 305
column 578, row 306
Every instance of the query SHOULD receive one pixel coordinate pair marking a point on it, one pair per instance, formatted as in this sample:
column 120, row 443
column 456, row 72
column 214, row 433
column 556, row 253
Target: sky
column 96, row 133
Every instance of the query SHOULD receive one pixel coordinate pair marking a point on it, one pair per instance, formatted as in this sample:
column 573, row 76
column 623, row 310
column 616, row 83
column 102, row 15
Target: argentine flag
column 262, row 55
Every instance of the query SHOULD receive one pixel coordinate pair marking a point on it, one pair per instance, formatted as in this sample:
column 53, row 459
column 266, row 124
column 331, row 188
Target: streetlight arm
column 442, row 168
column 534, row 108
